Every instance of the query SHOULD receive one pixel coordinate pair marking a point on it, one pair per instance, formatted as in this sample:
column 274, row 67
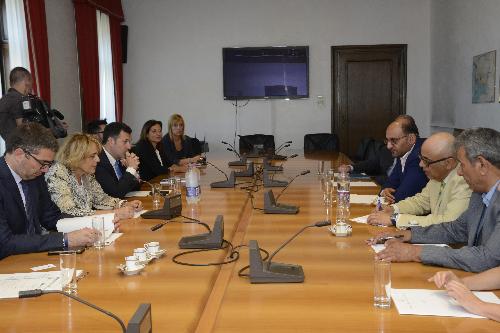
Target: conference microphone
column 303, row 173
column 211, row 240
column 273, row 272
column 268, row 182
column 231, row 148
column 39, row 292
column 275, row 156
column 281, row 145
column 292, row 156
column 271, row 205
column 228, row 183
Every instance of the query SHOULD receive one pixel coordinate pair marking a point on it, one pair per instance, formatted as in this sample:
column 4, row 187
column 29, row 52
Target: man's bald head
column 437, row 156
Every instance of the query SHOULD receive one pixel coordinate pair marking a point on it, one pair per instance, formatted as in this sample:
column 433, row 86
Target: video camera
column 38, row 111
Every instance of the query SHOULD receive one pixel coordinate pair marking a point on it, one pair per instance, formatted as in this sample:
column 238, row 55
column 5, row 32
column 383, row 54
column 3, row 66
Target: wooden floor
column 335, row 297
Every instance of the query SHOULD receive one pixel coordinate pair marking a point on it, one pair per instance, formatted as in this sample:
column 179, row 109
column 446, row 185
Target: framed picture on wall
column 483, row 77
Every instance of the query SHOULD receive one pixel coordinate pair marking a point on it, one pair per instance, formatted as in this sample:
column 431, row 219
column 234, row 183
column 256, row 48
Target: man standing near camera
column 11, row 104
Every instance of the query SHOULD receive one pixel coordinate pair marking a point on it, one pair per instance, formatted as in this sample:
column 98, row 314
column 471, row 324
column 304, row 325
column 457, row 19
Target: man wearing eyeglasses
column 96, row 128
column 443, row 199
column 407, row 177
column 477, row 229
column 27, row 213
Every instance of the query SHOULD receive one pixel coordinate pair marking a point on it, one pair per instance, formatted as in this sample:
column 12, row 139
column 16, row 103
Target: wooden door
column 368, row 91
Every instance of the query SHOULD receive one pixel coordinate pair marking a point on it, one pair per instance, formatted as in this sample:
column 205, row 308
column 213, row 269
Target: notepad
column 137, row 194
column 77, row 223
column 363, row 199
column 422, row 302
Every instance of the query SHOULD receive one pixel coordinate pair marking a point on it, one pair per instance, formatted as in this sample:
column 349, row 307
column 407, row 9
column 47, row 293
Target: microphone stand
column 39, row 292
column 228, row 183
column 269, row 272
column 271, row 205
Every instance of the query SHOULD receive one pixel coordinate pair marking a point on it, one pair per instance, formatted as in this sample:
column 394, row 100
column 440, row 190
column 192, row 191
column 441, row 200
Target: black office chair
column 368, row 149
column 256, row 144
column 321, row 142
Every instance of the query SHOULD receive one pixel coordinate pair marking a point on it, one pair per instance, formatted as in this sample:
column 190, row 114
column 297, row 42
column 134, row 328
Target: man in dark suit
column 27, row 213
column 478, row 151
column 116, row 171
column 407, row 177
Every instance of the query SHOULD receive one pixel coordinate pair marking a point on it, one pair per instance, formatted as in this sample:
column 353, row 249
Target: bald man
column 443, row 199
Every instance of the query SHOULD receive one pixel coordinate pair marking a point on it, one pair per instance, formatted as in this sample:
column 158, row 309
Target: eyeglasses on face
column 43, row 164
column 394, row 141
column 428, row 162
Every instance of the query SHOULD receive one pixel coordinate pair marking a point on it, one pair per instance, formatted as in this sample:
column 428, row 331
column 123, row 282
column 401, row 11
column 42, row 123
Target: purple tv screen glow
column 251, row 79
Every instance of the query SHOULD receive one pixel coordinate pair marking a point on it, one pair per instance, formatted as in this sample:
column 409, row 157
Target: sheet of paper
column 12, row 284
column 114, row 236
column 42, row 267
column 77, row 223
column 379, row 247
column 422, row 302
column 361, row 219
column 137, row 194
column 363, row 199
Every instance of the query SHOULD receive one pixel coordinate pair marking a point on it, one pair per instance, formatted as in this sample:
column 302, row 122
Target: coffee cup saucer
column 128, row 271
column 149, row 257
column 157, row 254
column 332, row 229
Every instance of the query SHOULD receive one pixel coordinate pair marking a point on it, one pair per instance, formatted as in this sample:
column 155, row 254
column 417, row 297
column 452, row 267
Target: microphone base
column 278, row 157
column 268, row 182
column 281, row 209
column 279, row 273
column 264, row 272
column 159, row 214
column 230, row 183
column 241, row 162
column 210, row 240
column 249, row 172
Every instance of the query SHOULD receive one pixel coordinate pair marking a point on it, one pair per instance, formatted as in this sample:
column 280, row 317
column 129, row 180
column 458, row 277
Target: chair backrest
column 321, row 142
column 259, row 144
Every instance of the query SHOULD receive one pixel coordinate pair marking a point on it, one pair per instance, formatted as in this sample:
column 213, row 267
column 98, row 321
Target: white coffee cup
column 152, row 247
column 141, row 254
column 131, row 262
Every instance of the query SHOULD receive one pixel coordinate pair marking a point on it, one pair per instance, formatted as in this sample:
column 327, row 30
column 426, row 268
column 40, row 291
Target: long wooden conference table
column 336, row 296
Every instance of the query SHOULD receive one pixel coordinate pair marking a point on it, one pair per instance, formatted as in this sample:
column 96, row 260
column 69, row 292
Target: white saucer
column 128, row 271
column 157, row 254
column 148, row 259
column 331, row 229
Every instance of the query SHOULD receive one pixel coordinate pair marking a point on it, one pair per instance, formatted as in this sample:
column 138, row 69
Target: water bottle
column 343, row 189
column 193, row 191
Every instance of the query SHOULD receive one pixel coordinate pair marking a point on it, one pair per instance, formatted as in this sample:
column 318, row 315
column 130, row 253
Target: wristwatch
column 394, row 218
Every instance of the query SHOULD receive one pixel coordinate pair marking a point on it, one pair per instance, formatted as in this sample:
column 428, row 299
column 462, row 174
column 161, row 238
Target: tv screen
column 266, row 72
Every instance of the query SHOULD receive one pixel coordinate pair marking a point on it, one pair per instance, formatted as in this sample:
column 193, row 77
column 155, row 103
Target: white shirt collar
column 111, row 159
column 405, row 157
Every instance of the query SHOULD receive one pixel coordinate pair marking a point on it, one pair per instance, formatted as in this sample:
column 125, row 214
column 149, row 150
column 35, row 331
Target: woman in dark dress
column 180, row 148
column 154, row 160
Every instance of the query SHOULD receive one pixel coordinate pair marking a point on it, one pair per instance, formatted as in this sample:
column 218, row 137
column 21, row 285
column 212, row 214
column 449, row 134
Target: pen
column 379, row 203
column 385, row 239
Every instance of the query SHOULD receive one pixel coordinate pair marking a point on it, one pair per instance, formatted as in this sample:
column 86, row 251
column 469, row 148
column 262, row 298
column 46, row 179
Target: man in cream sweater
column 443, row 199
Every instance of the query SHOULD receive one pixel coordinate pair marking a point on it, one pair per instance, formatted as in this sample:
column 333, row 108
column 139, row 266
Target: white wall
column 460, row 30
column 64, row 79
column 174, row 59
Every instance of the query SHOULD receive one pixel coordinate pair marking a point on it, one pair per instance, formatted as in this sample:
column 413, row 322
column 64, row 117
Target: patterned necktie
column 30, row 228
column 118, row 171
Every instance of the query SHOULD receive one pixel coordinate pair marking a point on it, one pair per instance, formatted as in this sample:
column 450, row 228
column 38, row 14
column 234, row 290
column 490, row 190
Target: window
column 4, row 50
column 106, row 82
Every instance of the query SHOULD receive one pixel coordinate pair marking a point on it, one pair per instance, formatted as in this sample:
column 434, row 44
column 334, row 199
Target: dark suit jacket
column 471, row 258
column 13, row 220
column 190, row 147
column 150, row 166
column 412, row 180
column 105, row 175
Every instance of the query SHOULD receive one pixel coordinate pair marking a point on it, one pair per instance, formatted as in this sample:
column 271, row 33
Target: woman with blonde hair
column 72, row 185
column 180, row 148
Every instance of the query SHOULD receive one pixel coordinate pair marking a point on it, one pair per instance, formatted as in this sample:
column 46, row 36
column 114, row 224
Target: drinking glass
column 98, row 224
column 67, row 264
column 382, row 284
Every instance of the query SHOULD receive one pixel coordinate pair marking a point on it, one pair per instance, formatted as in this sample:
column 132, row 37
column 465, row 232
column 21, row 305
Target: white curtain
column 18, row 41
column 16, row 32
column 106, row 83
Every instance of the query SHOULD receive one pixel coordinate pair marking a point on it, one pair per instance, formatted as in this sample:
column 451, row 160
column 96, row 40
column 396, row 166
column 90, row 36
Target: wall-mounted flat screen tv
column 266, row 72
